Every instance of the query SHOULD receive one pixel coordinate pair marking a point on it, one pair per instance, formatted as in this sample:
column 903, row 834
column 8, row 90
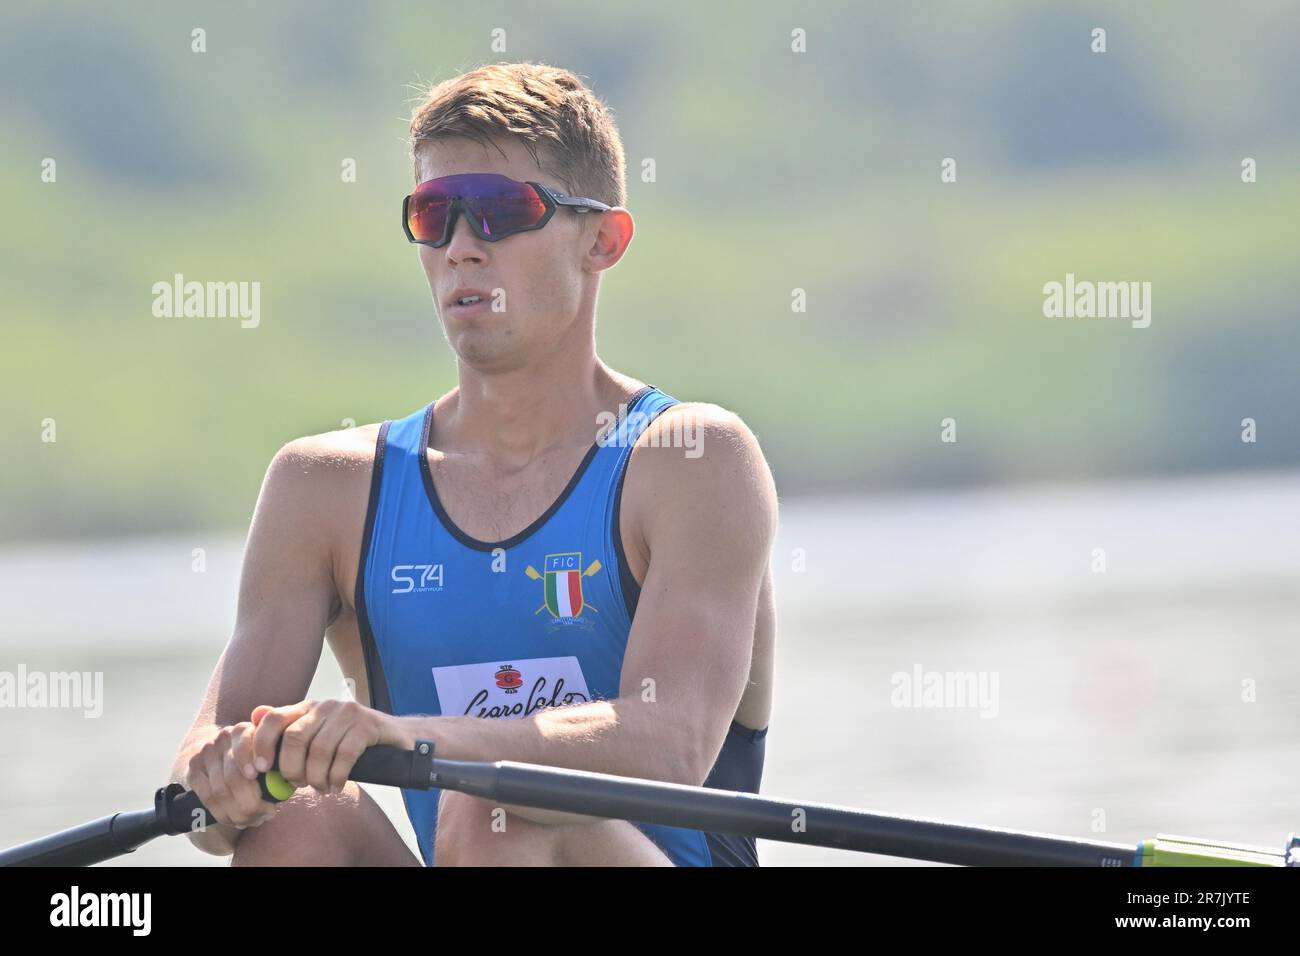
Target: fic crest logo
column 562, row 584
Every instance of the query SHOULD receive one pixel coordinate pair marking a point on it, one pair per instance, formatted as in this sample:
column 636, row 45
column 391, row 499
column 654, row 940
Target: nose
column 464, row 246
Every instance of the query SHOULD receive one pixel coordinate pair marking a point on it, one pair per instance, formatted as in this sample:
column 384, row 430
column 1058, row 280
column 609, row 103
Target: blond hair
column 567, row 130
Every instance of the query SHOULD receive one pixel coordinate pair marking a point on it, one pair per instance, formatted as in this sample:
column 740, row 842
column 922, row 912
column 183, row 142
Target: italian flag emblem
column 564, row 584
column 562, row 581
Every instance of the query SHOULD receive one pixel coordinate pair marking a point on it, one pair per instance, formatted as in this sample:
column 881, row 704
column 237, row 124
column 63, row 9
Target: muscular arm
column 287, row 596
column 707, row 525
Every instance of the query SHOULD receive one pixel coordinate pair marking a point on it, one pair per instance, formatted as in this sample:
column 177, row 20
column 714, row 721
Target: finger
column 321, row 754
column 269, row 729
column 219, row 800
column 196, row 774
column 346, row 754
column 241, row 746
column 246, row 804
column 296, row 741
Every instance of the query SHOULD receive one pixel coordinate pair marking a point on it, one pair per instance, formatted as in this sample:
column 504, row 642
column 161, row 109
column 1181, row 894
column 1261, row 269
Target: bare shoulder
column 704, row 443
column 713, row 423
column 346, row 451
column 701, row 463
column 321, row 476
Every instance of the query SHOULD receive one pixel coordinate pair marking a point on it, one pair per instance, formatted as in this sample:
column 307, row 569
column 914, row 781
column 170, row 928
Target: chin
column 485, row 350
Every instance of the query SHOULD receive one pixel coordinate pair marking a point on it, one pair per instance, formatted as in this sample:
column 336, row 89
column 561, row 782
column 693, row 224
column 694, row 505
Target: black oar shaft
column 719, row 811
column 90, row 843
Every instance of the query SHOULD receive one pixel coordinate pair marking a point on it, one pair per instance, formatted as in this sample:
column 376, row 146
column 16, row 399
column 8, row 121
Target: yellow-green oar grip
column 274, row 787
column 1169, row 850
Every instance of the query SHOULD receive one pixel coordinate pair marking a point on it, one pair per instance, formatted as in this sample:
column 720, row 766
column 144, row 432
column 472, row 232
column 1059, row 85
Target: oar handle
column 182, row 810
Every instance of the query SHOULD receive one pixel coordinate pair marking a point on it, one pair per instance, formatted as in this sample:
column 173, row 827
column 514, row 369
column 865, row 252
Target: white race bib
column 511, row 688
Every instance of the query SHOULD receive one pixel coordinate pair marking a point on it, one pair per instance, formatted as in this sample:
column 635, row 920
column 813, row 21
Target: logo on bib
column 562, row 585
column 510, row 690
column 509, row 679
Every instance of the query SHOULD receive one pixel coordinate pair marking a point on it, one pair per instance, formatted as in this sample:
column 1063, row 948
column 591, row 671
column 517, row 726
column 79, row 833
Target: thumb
column 260, row 711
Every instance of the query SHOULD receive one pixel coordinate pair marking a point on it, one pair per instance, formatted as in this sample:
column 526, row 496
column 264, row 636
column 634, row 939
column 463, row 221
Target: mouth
column 466, row 297
column 468, row 303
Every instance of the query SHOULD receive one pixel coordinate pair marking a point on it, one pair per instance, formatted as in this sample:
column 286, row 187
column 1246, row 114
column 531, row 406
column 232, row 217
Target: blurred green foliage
column 774, row 171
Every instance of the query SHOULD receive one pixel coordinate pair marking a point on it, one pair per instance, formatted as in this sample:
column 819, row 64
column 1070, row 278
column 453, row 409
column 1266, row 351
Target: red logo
column 509, row 679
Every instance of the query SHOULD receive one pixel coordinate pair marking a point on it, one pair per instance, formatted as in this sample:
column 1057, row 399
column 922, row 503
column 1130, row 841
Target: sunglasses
column 495, row 207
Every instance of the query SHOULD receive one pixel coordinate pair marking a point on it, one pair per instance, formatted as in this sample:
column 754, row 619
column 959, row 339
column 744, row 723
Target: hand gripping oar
column 177, row 810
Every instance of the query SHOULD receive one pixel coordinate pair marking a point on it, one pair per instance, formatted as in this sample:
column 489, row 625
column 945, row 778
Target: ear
column 613, row 234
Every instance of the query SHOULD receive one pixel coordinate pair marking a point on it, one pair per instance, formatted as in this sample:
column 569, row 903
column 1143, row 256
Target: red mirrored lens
column 426, row 216
column 498, row 205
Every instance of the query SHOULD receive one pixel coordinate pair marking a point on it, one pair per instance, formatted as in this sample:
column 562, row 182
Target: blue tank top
column 499, row 630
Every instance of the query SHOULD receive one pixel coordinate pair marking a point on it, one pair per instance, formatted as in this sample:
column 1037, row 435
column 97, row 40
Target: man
column 553, row 563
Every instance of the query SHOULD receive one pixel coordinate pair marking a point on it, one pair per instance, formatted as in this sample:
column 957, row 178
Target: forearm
column 625, row 736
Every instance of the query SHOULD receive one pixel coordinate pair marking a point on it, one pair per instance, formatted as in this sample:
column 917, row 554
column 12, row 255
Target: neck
column 513, row 417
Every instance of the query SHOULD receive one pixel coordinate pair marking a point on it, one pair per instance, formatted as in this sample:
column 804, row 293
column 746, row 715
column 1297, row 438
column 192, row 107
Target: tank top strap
column 614, row 451
column 643, row 408
column 407, row 437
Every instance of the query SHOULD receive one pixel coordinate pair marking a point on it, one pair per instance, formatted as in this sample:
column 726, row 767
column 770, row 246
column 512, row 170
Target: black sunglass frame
column 551, row 199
